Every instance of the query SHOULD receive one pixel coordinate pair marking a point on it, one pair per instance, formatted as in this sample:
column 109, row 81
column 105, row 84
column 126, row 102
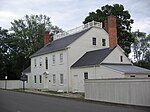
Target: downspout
column 95, row 70
column 68, row 68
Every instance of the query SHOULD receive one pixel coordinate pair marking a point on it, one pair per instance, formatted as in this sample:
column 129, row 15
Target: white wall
column 124, row 91
column 57, row 68
column 71, row 54
column 114, row 57
column 11, row 84
column 84, row 44
column 94, row 72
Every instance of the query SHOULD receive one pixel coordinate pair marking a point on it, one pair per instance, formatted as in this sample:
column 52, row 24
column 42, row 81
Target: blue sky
column 68, row 14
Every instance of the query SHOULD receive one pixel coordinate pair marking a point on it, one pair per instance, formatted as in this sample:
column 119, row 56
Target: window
column 34, row 62
column 61, row 79
column 53, row 58
column 121, row 58
column 103, row 42
column 132, row 76
column 35, row 79
column 85, row 75
column 46, row 63
column 61, row 57
column 54, row 78
column 94, row 41
column 40, row 61
column 27, row 79
column 40, row 78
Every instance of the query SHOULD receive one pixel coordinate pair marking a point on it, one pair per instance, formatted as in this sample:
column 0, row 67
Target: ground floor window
column 54, row 78
column 35, row 79
column 40, row 78
column 61, row 78
column 85, row 75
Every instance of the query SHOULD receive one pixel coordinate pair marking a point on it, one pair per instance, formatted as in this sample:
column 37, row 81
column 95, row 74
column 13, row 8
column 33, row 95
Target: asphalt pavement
column 11, row 101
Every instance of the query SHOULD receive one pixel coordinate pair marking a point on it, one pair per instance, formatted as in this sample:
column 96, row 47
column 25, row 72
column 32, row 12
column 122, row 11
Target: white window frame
column 103, row 42
column 35, row 80
column 35, row 63
column 53, row 59
column 61, row 79
column 61, row 57
column 94, row 41
column 54, row 78
column 40, row 78
column 86, row 75
column 40, row 63
column 46, row 62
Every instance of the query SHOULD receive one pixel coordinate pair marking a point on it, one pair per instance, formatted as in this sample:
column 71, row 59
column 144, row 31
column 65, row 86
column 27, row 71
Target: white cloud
column 71, row 13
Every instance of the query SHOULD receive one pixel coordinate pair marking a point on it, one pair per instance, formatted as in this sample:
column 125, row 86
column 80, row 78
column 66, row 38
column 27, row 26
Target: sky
column 68, row 14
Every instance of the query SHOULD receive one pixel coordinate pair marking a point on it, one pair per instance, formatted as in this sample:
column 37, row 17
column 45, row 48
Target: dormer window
column 94, row 41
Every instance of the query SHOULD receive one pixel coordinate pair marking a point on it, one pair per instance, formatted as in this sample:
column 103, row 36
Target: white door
column 75, row 83
column 45, row 82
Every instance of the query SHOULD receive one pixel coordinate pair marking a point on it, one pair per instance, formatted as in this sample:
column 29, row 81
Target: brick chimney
column 46, row 37
column 111, row 28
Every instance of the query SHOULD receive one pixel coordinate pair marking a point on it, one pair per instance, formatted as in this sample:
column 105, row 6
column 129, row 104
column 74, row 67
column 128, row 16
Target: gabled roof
column 27, row 70
column 93, row 57
column 128, row 69
column 59, row 44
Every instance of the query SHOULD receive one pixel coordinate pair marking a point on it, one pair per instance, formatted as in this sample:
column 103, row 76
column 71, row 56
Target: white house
column 87, row 52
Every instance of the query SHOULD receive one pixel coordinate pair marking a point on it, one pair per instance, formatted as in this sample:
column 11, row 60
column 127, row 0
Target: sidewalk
column 51, row 93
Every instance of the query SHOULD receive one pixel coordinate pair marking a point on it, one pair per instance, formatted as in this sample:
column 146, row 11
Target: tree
column 30, row 30
column 141, row 49
column 26, row 37
column 3, row 52
column 123, row 20
column 141, row 45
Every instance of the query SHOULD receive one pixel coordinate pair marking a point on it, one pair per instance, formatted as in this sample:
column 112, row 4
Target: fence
column 124, row 91
column 10, row 84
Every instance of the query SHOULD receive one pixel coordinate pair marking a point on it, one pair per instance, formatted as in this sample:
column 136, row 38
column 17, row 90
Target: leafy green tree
column 3, row 52
column 141, row 45
column 123, row 19
column 25, row 38
column 141, row 49
column 30, row 30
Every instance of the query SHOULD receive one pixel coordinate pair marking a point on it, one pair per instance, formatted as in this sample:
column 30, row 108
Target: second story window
column 40, row 61
column 85, row 75
column 35, row 63
column 53, row 59
column 46, row 63
column 94, row 41
column 103, row 42
column 61, row 57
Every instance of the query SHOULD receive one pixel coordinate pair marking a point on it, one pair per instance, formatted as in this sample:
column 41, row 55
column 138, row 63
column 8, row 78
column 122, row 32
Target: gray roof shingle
column 128, row 69
column 93, row 57
column 27, row 70
column 59, row 44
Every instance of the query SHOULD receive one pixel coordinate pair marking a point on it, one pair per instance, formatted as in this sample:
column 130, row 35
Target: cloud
column 68, row 14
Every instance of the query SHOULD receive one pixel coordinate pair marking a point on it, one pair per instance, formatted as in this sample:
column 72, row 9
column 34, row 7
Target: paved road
column 23, row 102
